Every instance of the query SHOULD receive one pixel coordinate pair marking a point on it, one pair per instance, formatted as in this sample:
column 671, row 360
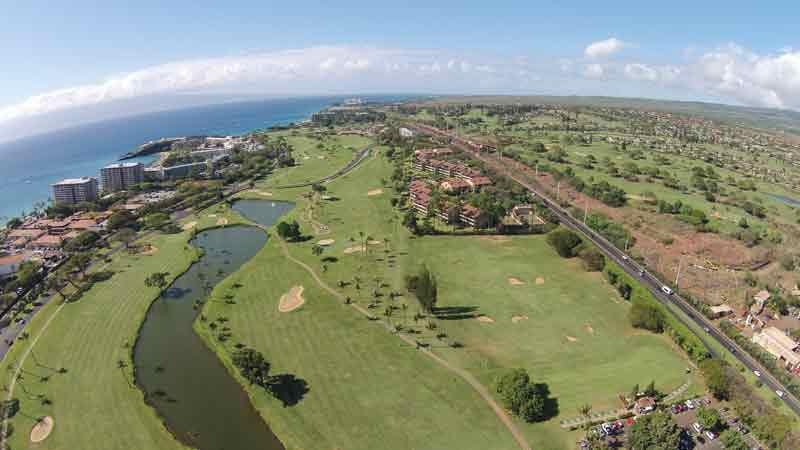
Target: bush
column 649, row 317
column 564, row 242
column 593, row 259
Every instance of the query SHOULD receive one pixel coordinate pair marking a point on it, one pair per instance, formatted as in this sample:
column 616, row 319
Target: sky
column 72, row 57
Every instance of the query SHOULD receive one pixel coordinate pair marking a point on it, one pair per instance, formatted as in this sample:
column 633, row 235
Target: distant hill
column 771, row 119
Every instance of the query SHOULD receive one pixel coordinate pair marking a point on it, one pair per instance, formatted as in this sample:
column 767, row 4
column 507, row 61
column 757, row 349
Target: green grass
column 608, row 357
column 95, row 405
column 367, row 388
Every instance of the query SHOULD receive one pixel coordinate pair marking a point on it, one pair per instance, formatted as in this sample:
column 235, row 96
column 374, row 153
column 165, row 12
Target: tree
column 593, row 259
column 655, row 431
column 732, row 440
column 424, row 287
column 253, row 366
column 525, row 399
column 82, row 242
column 81, row 261
column 121, row 219
column 709, row 418
column 649, row 317
column 716, row 378
column 14, row 222
column 564, row 242
column 126, row 236
column 584, row 410
column 289, row 231
column 157, row 280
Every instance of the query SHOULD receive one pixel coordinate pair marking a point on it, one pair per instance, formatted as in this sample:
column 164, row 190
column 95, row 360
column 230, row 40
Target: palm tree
column 317, row 249
column 584, row 410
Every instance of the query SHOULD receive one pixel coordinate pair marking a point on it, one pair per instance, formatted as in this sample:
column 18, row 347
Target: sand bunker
column 189, row 225
column 515, row 281
column 148, row 249
column 42, row 429
column 539, row 280
column 212, row 215
column 356, row 249
column 498, row 238
column 292, row 299
column 485, row 319
column 375, row 192
column 222, row 221
column 326, row 242
column 516, row 319
column 374, row 242
column 264, row 193
column 571, row 339
column 589, row 329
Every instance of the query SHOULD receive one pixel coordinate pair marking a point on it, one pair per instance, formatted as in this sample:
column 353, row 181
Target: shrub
column 564, row 242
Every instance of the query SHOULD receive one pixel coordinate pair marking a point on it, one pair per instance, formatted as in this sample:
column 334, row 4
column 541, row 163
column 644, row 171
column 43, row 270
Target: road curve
column 633, row 269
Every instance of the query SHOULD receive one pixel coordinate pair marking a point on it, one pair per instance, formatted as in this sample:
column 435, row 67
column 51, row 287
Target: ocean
column 28, row 166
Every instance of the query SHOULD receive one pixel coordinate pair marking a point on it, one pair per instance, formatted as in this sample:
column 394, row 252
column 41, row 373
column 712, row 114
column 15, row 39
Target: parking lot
column 686, row 417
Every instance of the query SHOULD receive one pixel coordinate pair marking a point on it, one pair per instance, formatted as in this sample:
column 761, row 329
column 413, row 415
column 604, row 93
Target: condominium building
column 75, row 190
column 118, row 177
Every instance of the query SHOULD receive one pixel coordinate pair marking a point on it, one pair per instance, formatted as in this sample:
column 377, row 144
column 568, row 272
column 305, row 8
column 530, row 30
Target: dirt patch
column 484, row 319
column 539, row 280
column 571, row 339
column 515, row 281
column 42, row 429
column 148, row 249
column 374, row 242
column 189, row 226
column 292, row 299
column 356, row 249
column 498, row 239
column 589, row 328
column 375, row 192
column 222, row 221
column 516, row 319
column 326, row 242
column 212, row 216
column 263, row 193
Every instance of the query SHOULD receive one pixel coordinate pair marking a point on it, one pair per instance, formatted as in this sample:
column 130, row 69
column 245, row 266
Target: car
column 697, row 427
column 758, row 374
column 625, row 257
column 780, row 393
column 641, row 273
column 689, row 404
column 711, row 436
column 742, row 429
column 666, row 289
column 706, row 329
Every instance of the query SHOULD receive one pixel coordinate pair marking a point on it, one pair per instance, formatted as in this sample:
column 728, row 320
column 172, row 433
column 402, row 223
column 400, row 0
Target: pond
column 195, row 395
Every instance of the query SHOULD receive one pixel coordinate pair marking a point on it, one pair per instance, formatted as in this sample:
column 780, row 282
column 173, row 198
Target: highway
column 628, row 264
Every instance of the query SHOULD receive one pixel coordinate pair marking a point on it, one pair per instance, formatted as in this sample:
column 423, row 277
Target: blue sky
column 707, row 50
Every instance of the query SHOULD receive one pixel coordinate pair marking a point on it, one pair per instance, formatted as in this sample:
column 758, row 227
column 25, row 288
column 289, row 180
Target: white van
column 666, row 290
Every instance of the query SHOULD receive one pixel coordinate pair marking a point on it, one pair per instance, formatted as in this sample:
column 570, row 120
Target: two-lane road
column 631, row 267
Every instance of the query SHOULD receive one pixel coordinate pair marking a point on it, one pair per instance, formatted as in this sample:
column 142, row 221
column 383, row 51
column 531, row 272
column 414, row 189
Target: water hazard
column 200, row 402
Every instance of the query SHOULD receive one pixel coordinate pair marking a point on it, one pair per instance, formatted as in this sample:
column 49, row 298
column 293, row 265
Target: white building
column 118, row 177
column 75, row 190
column 779, row 345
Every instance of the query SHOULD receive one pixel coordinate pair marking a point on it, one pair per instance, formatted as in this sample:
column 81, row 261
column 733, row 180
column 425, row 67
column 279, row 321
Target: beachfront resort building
column 121, row 176
column 75, row 190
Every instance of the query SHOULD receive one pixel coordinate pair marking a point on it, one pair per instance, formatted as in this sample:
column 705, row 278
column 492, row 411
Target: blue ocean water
column 28, row 166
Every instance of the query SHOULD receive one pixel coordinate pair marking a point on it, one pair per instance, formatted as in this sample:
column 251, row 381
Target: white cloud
column 604, row 48
column 594, row 71
column 315, row 70
column 729, row 73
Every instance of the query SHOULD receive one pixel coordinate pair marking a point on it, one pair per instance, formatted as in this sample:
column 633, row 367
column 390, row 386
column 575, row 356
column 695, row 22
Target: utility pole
column 558, row 190
column 585, row 210
column 678, row 274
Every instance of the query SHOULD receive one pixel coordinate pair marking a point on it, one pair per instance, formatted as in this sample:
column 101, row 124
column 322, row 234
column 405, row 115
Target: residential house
column 779, row 345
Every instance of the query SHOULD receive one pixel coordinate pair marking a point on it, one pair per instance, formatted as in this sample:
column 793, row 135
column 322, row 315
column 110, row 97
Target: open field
column 568, row 328
column 367, row 389
column 313, row 162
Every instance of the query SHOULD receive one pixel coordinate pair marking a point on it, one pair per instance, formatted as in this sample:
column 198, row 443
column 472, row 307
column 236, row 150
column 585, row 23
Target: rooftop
column 69, row 181
column 122, row 165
